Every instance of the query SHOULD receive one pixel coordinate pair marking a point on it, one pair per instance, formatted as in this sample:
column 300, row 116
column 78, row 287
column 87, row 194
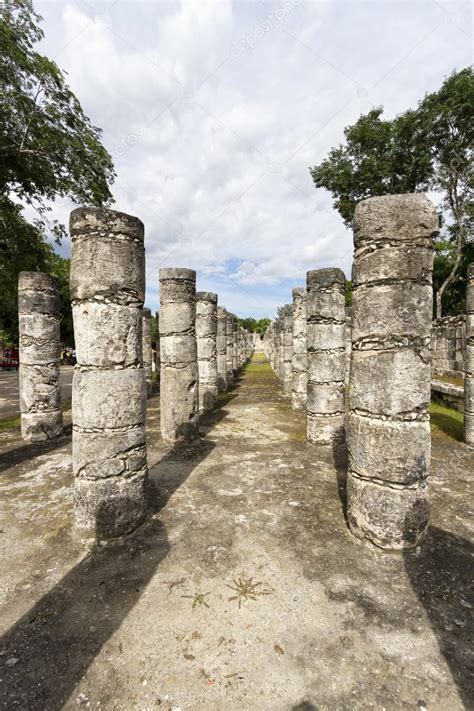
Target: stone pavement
column 9, row 392
column 244, row 590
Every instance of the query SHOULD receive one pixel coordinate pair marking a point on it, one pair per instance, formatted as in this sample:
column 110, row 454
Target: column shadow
column 442, row 577
column 48, row 650
column 21, row 454
column 58, row 638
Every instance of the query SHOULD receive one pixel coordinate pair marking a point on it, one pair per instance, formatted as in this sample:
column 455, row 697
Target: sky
column 214, row 111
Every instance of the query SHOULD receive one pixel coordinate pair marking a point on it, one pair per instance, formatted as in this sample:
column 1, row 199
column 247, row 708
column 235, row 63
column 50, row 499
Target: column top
column 99, row 220
column 177, row 273
column 401, row 218
column 37, row 281
column 146, row 312
column 206, row 296
column 325, row 277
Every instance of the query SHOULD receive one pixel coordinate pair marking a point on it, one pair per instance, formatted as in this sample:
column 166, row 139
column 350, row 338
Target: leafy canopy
column 48, row 149
column 427, row 148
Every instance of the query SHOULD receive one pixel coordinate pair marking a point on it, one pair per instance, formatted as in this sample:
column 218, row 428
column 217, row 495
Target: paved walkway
column 244, row 590
column 9, row 390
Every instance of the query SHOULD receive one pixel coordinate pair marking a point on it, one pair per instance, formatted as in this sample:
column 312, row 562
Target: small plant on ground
column 246, row 589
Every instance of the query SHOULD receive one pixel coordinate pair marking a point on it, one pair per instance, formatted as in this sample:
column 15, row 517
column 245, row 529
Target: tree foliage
column 254, row 325
column 424, row 149
column 48, row 149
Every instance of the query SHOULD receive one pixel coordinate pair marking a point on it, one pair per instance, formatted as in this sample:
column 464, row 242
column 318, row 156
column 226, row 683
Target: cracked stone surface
column 245, row 588
column 39, row 348
column 390, row 371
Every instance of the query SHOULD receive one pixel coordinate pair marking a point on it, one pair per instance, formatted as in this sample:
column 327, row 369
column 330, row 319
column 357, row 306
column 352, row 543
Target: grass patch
column 14, row 422
column 447, row 421
column 450, row 379
column 10, row 423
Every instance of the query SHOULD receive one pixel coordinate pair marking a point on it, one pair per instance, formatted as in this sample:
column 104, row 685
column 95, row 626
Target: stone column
column 40, row 348
column 229, row 349
column 469, row 362
column 388, row 432
column 108, row 392
column 299, row 360
column 287, row 344
column 235, row 345
column 146, row 350
column 157, row 350
column 206, row 336
column 179, row 400
column 326, row 356
column 221, row 343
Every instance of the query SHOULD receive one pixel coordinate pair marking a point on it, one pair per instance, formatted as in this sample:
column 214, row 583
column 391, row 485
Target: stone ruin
column 469, row 374
column 386, row 419
column 40, row 346
column 325, row 317
column 383, row 421
column 109, row 387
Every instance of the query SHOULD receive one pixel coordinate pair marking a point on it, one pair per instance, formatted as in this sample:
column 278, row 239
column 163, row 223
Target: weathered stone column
column 179, row 399
column 281, row 349
column 287, row 348
column 388, row 433
column 206, row 336
column 146, row 350
column 299, row 360
column 230, row 349
column 40, row 347
column 469, row 362
column 326, row 356
column 157, row 350
column 235, row 345
column 221, row 344
column 108, row 392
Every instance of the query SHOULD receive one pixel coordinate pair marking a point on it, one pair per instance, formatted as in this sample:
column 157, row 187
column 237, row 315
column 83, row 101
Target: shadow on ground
column 12, row 457
column 49, row 649
column 441, row 576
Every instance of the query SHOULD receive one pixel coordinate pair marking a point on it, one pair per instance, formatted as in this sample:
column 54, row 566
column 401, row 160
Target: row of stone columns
column 114, row 363
column 386, row 424
column 200, row 349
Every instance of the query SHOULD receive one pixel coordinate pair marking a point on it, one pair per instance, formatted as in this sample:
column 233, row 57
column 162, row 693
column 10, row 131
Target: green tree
column 254, row 325
column 427, row 148
column 48, row 149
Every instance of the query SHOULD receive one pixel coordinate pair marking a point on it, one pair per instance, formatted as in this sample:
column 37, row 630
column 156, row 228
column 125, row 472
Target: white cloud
column 212, row 149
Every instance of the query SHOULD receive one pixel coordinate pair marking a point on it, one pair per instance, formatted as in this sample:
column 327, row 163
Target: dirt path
column 244, row 590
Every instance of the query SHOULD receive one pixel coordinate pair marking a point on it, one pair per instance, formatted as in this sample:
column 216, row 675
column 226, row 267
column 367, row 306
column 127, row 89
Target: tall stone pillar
column 221, row 343
column 40, row 392
column 299, row 360
column 287, row 348
column 281, row 348
column 146, row 350
column 235, row 345
column 206, row 335
column 179, row 400
column 108, row 392
column 157, row 350
column 325, row 315
column 388, row 433
column 230, row 349
column 469, row 369
column 276, row 347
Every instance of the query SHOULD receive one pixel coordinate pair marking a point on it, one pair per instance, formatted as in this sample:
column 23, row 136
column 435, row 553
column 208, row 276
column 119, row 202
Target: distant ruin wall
column 448, row 345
